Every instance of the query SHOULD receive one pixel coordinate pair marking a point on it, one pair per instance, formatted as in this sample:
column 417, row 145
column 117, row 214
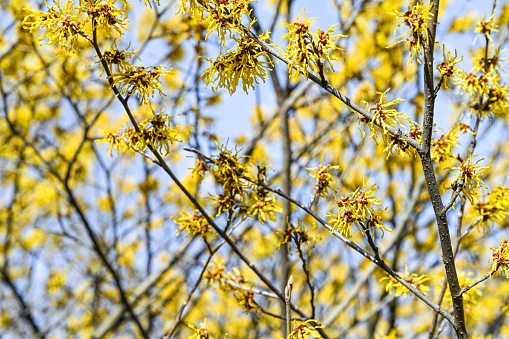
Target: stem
column 288, row 297
column 429, row 174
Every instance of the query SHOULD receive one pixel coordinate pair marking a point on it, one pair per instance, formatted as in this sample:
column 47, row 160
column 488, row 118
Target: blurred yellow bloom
column 493, row 209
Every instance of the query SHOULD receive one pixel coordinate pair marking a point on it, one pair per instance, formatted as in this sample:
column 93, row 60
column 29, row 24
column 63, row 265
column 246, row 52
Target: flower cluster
column 62, row 26
column 468, row 178
column 215, row 273
column 225, row 17
column 117, row 57
column 199, row 333
column 402, row 146
column 441, row 148
column 298, row 236
column 306, row 49
column 241, row 195
column 143, row 81
column 418, row 281
column 245, row 300
column 485, row 27
column 493, row 209
column 416, row 18
column 217, row 276
column 383, row 116
column 303, row 330
column 323, row 179
column 104, row 15
column 228, row 170
column 447, row 69
column 65, row 25
column 154, row 132
column 262, row 205
column 244, row 61
column 222, row 16
column 488, row 94
column 471, row 296
column 357, row 208
column 501, row 258
column 194, row 224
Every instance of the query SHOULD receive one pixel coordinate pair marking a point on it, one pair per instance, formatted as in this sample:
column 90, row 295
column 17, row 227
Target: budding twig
column 288, row 297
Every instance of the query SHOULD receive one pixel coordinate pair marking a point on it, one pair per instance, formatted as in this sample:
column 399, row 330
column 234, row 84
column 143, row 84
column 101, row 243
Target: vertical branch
column 429, row 90
column 287, row 183
column 429, row 174
column 288, row 302
column 308, row 280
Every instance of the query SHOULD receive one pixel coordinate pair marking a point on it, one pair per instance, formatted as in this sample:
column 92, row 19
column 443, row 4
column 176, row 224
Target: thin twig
column 184, row 304
column 478, row 281
column 288, row 298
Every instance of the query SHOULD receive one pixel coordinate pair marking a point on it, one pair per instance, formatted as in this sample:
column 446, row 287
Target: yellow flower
column 476, row 85
column 323, row 178
column 357, row 208
column 383, row 115
column 324, row 41
column 485, row 27
column 246, row 300
column 416, row 18
column 155, row 132
column 498, row 102
column 493, row 209
column 195, row 6
column 104, row 15
column 305, row 49
column 119, row 58
column 224, row 202
column 263, row 205
column 228, row 170
column 446, row 68
column 199, row 333
column 418, row 281
column 298, row 235
column 304, row 330
column 501, row 259
column 243, row 61
column 194, row 224
column 115, row 141
column 140, row 80
column 216, row 272
column 468, row 177
column 61, row 25
column 441, row 148
column 225, row 17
